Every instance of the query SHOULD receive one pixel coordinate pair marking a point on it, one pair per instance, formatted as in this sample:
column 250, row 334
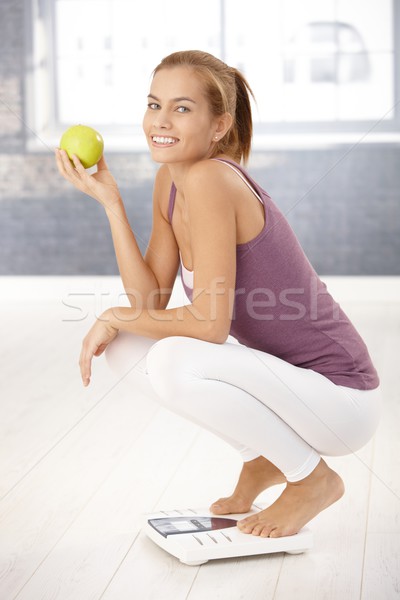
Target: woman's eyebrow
column 180, row 99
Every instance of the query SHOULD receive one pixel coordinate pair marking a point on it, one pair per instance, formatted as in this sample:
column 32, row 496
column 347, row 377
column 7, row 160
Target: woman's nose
column 161, row 120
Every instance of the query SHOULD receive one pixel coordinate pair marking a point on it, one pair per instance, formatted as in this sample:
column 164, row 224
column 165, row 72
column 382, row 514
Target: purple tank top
column 283, row 308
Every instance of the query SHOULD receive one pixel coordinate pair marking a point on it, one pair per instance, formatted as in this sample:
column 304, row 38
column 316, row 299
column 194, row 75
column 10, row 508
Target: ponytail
column 243, row 116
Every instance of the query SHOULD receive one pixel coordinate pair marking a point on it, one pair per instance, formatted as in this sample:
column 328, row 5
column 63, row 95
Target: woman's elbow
column 208, row 327
column 217, row 333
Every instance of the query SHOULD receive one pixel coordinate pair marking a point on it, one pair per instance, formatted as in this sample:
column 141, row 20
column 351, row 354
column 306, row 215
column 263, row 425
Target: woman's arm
column 162, row 254
column 212, row 225
column 147, row 281
column 139, row 275
column 212, row 229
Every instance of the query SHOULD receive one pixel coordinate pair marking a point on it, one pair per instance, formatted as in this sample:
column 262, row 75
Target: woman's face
column 178, row 124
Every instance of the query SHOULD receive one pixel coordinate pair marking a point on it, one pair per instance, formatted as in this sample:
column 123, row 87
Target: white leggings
column 258, row 403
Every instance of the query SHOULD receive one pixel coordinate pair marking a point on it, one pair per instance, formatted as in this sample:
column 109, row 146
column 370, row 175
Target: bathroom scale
column 195, row 536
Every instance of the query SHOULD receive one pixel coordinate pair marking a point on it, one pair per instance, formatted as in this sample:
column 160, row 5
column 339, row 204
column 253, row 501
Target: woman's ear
column 224, row 124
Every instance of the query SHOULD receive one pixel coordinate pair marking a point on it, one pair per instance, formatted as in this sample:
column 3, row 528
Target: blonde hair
column 227, row 91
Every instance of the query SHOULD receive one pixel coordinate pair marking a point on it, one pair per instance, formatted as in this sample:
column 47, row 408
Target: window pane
column 370, row 99
column 306, row 61
column 107, row 49
column 254, row 45
column 313, row 60
column 374, row 21
column 338, row 64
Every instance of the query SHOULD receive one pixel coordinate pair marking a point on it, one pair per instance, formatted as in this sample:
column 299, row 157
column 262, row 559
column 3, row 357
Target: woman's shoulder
column 210, row 172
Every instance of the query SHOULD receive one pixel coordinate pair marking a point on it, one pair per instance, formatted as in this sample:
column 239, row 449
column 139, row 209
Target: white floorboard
column 79, row 468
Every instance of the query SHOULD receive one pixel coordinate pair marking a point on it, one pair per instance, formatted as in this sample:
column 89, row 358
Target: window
column 316, row 61
column 315, row 65
column 105, row 57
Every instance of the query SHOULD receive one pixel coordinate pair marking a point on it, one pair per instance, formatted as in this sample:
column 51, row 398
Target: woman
column 296, row 381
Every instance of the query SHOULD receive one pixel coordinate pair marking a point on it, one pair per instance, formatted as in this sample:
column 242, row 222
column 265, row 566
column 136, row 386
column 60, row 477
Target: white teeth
column 163, row 140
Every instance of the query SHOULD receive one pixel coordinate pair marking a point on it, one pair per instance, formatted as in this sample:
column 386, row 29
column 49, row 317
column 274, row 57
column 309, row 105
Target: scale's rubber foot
column 295, row 551
column 194, row 563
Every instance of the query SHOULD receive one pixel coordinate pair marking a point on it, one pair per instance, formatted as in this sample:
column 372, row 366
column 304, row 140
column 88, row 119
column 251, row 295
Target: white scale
column 196, row 536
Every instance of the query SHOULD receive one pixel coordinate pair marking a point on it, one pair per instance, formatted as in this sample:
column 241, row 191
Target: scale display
column 175, row 525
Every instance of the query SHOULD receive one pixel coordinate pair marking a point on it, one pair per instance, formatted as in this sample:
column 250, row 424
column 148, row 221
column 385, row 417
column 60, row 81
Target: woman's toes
column 247, row 525
column 218, row 507
column 266, row 531
column 248, row 521
column 275, row 533
column 257, row 529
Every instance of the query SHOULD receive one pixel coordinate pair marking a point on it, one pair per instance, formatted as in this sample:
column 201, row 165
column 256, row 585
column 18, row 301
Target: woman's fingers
column 100, row 349
column 85, row 360
column 72, row 167
column 60, row 162
column 64, row 164
column 73, row 171
column 102, row 165
column 78, row 165
column 100, row 185
column 85, row 364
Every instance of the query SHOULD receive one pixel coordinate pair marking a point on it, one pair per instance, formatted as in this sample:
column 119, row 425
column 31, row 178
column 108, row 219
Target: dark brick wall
column 344, row 205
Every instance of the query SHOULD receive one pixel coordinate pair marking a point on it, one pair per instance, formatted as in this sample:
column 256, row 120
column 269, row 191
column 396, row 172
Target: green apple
column 86, row 143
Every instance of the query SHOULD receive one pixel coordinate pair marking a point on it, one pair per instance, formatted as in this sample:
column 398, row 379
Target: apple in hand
column 86, row 143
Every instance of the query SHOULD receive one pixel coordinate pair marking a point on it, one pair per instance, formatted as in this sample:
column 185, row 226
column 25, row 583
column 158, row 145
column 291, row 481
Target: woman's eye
column 153, row 106
column 183, row 109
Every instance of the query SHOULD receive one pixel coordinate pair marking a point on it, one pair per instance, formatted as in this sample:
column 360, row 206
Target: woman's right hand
column 100, row 185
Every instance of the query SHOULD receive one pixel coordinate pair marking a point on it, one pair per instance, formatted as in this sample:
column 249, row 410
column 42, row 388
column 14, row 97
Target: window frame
column 131, row 138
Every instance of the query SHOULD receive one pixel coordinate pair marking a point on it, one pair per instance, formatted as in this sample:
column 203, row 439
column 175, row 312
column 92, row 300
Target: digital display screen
column 173, row 525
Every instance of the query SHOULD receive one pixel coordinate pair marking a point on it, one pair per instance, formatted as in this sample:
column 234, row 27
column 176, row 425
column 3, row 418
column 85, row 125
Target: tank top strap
column 171, row 204
column 245, row 177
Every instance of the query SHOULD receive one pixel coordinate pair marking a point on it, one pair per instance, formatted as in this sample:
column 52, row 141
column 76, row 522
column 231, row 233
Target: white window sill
column 264, row 142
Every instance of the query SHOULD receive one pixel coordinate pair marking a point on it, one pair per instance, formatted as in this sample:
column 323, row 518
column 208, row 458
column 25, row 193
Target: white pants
column 258, row 403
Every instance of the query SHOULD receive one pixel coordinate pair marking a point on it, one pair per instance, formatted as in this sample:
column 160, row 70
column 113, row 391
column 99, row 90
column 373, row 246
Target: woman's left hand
column 94, row 344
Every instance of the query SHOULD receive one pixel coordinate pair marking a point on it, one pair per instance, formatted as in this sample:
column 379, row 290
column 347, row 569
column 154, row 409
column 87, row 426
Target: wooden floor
column 80, row 467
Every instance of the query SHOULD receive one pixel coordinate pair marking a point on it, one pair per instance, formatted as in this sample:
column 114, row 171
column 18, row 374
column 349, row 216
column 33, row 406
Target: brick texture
column 344, row 207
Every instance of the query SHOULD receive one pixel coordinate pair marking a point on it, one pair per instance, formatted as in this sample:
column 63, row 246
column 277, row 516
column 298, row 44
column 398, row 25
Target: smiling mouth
column 164, row 141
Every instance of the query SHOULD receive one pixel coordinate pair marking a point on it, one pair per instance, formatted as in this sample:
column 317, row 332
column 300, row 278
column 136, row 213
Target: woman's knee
column 168, row 363
column 126, row 351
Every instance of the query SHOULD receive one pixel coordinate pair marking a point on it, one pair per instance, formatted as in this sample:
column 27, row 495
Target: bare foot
column 257, row 475
column 297, row 505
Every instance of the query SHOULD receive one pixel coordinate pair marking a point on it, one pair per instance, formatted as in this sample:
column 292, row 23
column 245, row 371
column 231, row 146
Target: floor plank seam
column 65, row 535
column 373, row 474
column 120, row 565
column 71, row 523
column 278, row 577
column 153, row 510
column 367, row 518
column 178, row 466
column 192, row 584
column 63, row 437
